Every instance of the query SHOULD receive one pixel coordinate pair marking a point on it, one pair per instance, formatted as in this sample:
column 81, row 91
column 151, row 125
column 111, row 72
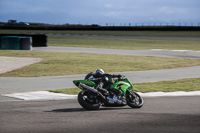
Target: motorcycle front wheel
column 134, row 100
column 89, row 100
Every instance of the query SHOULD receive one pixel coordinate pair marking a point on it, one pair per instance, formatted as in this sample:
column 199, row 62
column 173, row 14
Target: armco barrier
column 38, row 40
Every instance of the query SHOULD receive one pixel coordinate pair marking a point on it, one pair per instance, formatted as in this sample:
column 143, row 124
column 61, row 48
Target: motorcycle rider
column 102, row 79
column 105, row 84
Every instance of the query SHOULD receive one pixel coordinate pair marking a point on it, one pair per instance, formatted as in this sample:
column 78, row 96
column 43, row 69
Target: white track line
column 46, row 95
column 40, row 95
column 177, row 93
column 174, row 50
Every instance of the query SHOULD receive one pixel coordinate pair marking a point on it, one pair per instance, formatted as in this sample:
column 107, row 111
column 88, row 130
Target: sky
column 110, row 12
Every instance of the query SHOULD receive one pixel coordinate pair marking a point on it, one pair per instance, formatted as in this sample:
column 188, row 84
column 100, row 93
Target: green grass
column 57, row 64
column 123, row 43
column 169, row 86
column 114, row 33
column 71, row 91
column 164, row 86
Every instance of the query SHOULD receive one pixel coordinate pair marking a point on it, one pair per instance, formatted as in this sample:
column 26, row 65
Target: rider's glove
column 119, row 76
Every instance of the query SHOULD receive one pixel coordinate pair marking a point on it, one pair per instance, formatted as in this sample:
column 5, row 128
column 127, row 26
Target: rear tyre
column 134, row 100
column 89, row 100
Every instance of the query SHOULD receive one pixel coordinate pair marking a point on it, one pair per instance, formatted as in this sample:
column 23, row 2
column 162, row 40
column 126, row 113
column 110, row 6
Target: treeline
column 97, row 27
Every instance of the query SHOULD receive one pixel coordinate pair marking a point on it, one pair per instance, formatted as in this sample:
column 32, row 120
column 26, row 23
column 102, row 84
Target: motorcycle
column 119, row 93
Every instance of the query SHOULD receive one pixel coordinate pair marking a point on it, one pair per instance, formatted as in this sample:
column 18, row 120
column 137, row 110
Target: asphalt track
column 135, row 37
column 158, row 115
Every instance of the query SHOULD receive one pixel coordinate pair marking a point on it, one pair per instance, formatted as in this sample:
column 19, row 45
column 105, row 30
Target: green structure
column 10, row 43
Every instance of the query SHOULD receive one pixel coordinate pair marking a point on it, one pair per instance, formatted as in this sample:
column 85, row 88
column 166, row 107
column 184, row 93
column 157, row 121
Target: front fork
column 130, row 93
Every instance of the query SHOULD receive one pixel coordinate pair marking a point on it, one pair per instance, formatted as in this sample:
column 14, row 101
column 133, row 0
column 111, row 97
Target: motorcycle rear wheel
column 134, row 100
column 89, row 100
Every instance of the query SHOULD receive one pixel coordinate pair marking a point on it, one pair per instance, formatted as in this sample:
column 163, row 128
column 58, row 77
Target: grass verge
column 169, row 86
column 164, row 86
column 122, row 43
column 58, row 64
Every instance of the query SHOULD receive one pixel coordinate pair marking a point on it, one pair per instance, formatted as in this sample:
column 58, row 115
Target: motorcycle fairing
column 122, row 86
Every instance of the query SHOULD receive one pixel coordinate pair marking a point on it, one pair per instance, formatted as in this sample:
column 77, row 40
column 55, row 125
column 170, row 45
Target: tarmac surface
column 152, row 52
column 12, row 63
column 158, row 115
column 136, row 37
column 24, row 84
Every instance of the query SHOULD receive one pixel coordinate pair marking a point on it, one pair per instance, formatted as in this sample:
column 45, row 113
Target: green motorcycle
column 119, row 92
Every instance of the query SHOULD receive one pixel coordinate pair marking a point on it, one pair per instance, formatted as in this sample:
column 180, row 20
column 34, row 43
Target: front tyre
column 89, row 100
column 134, row 100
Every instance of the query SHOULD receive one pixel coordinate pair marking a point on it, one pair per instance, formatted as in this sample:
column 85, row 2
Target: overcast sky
column 101, row 11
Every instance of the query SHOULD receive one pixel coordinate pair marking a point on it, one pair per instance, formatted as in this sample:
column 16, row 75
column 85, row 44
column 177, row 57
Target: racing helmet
column 101, row 71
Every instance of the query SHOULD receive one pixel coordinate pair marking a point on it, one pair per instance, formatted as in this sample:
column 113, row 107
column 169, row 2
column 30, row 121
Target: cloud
column 108, row 5
column 21, row 7
column 113, row 14
column 171, row 10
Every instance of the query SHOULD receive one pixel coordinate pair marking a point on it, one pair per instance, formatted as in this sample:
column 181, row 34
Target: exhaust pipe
column 83, row 86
